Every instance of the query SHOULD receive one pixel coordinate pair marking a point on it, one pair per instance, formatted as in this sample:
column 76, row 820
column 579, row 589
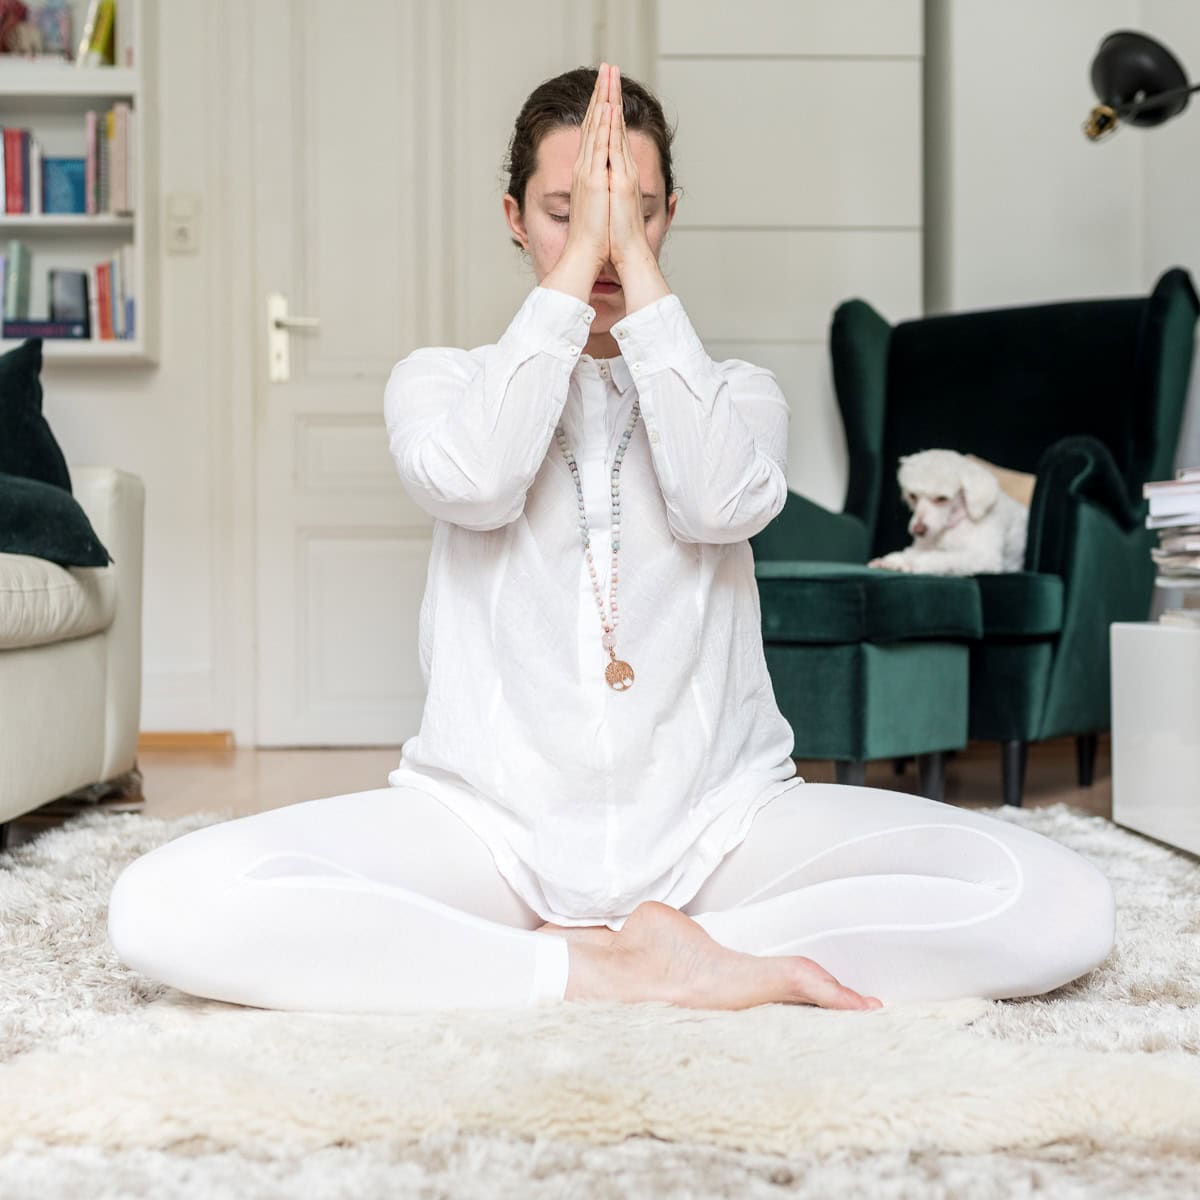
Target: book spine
column 105, row 198
column 25, row 188
column 44, row 329
column 37, row 184
column 118, row 287
column 3, row 174
column 132, row 172
column 16, row 292
column 89, row 169
column 105, row 302
column 94, row 300
column 12, row 170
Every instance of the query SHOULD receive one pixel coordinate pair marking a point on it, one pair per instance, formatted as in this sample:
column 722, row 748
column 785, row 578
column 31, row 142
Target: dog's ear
column 980, row 489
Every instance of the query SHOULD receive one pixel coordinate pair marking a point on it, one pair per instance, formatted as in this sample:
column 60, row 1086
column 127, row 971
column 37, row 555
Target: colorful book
column 44, row 329
column 18, row 275
column 64, row 185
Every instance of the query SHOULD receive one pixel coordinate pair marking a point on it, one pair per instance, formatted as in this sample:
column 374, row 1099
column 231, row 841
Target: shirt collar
column 621, row 375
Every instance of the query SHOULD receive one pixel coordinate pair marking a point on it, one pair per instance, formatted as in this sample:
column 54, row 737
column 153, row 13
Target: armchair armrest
column 115, row 501
column 804, row 530
column 1073, row 471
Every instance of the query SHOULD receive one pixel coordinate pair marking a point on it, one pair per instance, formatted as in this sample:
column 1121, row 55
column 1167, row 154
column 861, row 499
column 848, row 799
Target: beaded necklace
column 618, row 674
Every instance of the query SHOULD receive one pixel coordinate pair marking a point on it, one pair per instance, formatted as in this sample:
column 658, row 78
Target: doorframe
column 241, row 355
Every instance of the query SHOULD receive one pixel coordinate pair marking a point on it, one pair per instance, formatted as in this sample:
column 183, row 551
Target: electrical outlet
column 183, row 223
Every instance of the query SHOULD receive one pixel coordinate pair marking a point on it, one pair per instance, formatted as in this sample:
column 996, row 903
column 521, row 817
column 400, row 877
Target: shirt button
column 574, row 349
column 637, row 366
column 654, row 435
column 621, row 332
column 588, row 317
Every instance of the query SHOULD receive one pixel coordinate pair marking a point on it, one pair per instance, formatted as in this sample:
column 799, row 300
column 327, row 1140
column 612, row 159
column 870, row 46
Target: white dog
column 962, row 522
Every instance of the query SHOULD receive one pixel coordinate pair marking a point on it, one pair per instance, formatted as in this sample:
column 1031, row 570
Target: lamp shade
column 1130, row 68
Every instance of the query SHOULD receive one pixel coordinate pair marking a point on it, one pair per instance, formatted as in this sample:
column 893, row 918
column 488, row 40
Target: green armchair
column 1089, row 396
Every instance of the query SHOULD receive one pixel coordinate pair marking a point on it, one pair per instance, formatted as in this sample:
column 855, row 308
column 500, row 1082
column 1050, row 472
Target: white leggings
column 384, row 900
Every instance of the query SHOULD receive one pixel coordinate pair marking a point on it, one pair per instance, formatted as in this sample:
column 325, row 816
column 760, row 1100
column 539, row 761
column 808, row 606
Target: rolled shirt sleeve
column 718, row 433
column 469, row 431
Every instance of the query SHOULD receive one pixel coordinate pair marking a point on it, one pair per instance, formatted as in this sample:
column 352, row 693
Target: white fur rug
column 113, row 1081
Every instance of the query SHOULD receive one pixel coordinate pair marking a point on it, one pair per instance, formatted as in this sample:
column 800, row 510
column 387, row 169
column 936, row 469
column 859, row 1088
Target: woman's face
column 543, row 230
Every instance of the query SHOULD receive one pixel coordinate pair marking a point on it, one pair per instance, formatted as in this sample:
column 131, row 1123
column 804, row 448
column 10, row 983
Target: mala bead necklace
column 618, row 674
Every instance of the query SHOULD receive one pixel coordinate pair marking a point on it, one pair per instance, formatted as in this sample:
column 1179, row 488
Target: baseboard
column 219, row 739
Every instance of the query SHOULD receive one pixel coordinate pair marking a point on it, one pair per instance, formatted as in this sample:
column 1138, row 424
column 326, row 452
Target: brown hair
column 564, row 100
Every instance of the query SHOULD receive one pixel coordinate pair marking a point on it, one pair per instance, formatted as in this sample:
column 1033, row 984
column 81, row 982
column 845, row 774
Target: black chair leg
column 854, row 773
column 1015, row 754
column 4, row 836
column 1085, row 757
column 932, row 774
column 898, row 764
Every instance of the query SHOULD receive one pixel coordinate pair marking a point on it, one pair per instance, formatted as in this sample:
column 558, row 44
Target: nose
column 920, row 529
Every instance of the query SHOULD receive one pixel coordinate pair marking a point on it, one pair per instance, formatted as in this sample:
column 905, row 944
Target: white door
column 380, row 127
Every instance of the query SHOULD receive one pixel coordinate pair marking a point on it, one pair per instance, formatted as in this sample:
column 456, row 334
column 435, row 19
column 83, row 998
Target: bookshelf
column 51, row 98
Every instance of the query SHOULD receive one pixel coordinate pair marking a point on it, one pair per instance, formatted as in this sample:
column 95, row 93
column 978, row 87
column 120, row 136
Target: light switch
column 183, row 223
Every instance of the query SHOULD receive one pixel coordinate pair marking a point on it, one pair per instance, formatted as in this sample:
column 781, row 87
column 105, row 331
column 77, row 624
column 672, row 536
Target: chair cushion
column 43, row 602
column 48, row 522
column 27, row 446
column 1021, row 604
column 839, row 602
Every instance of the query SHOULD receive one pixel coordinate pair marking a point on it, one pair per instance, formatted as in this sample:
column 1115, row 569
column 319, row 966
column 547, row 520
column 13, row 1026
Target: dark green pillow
column 27, row 446
column 44, row 520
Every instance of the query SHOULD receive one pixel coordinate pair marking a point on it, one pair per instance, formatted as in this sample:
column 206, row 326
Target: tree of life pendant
column 619, row 674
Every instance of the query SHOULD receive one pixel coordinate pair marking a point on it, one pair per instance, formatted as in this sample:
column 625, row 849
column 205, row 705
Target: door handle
column 278, row 325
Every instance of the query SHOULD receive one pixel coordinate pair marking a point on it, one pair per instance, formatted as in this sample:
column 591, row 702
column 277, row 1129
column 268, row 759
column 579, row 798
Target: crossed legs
column 384, row 900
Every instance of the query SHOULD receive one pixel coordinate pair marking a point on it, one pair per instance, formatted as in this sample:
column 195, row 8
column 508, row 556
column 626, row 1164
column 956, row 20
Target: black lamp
column 1137, row 80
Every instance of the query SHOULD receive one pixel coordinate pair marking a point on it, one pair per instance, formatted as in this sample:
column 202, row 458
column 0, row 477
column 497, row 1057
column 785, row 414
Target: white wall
column 1020, row 206
column 796, row 195
column 1094, row 219
column 169, row 423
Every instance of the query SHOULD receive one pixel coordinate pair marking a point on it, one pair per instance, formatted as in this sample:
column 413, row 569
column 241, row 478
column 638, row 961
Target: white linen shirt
column 592, row 800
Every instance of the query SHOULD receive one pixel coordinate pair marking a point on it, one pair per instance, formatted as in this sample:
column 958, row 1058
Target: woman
column 600, row 802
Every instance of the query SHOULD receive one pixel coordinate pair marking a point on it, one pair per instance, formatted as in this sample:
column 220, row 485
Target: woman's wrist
column 642, row 281
column 574, row 274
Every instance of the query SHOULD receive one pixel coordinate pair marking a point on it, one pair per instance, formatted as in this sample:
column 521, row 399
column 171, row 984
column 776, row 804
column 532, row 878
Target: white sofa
column 71, row 655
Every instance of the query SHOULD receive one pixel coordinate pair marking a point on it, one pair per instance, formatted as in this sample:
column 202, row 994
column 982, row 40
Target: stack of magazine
column 1175, row 512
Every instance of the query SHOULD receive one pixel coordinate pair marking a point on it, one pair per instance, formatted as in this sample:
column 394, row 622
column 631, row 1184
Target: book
column 14, row 166
column 17, row 283
column 1186, row 498
column 92, row 169
column 96, row 44
column 1167, row 520
column 34, row 180
column 44, row 329
column 69, row 298
column 64, row 185
column 1180, row 544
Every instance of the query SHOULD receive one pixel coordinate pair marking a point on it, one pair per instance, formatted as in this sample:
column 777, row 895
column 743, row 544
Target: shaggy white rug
column 114, row 1081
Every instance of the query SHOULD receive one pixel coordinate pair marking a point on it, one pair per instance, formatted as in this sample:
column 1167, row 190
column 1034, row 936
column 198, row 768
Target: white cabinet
column 1156, row 731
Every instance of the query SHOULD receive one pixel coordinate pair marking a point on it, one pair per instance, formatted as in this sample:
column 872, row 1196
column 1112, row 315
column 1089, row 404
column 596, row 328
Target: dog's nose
column 920, row 530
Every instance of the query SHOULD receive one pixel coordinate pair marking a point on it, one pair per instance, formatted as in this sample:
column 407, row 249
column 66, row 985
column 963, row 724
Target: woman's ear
column 980, row 489
column 512, row 214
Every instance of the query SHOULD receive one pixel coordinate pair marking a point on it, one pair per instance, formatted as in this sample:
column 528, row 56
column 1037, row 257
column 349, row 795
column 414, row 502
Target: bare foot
column 662, row 954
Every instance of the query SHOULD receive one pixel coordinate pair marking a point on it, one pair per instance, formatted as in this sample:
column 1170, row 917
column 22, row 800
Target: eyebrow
column 567, row 196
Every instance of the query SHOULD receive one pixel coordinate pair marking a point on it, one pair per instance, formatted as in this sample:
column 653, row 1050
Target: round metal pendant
column 619, row 675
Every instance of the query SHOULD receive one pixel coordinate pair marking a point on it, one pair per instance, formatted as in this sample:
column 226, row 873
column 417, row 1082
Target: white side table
column 1156, row 731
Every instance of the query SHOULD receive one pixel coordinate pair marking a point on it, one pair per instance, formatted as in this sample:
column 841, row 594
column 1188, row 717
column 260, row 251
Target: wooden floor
column 176, row 783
